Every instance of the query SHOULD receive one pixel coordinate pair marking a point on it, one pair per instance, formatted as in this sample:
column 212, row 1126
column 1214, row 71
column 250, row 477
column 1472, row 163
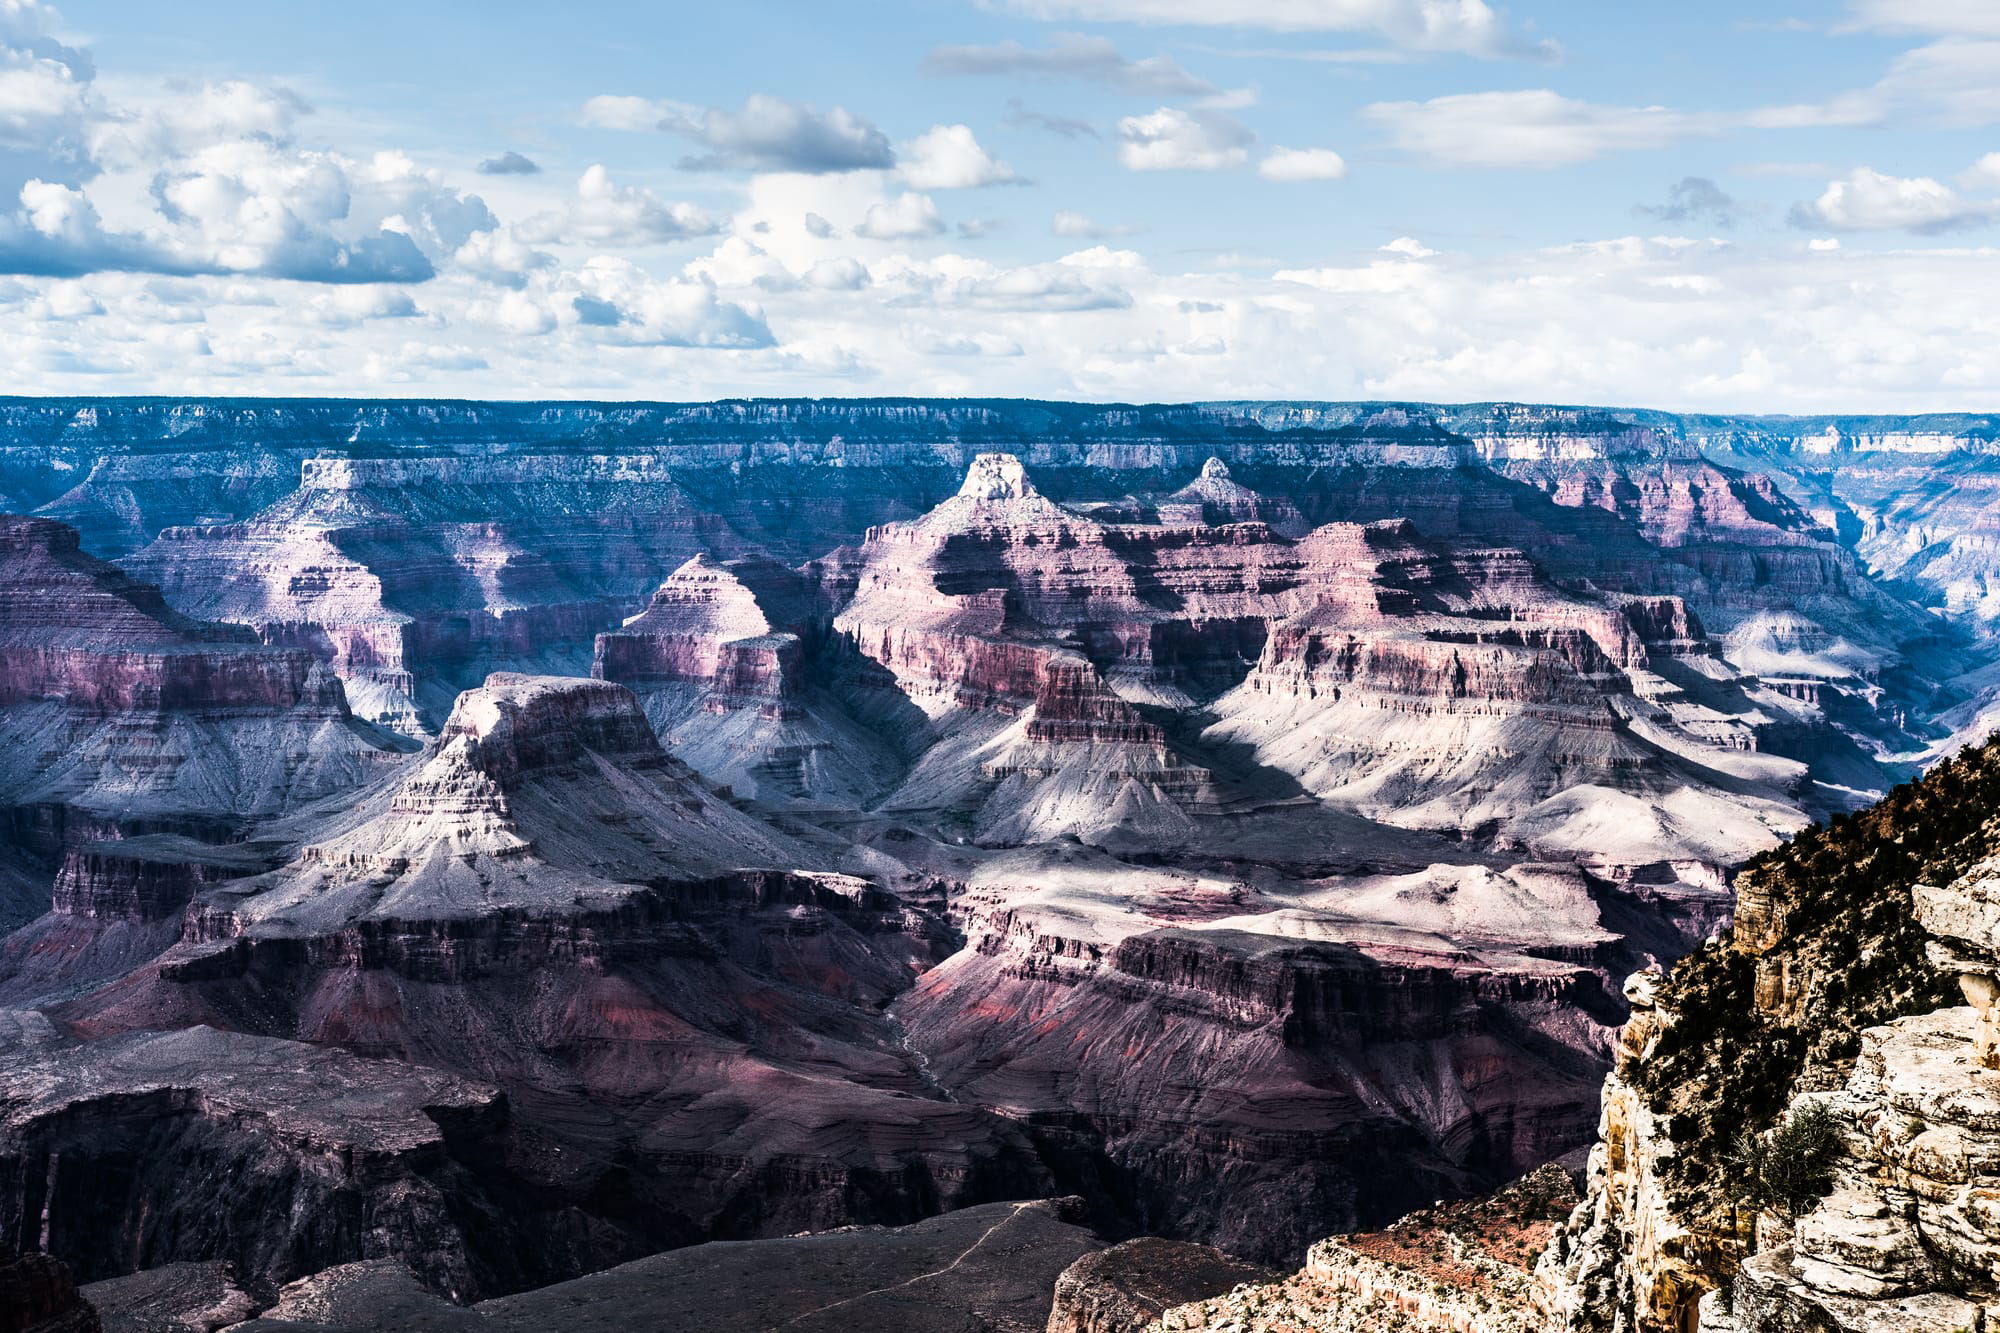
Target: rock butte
column 663, row 825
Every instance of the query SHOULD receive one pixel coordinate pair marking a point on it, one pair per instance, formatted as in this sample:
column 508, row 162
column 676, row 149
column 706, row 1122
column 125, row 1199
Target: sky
column 1751, row 207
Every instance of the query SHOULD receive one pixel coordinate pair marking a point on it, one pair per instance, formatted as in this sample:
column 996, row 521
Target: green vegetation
column 1791, row 1168
column 1850, row 955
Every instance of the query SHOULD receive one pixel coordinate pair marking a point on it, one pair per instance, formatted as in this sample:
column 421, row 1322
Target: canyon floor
column 463, row 860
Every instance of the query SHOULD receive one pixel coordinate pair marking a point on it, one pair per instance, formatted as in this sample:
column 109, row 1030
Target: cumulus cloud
column 1302, row 164
column 44, row 98
column 1529, row 128
column 948, row 157
column 225, row 211
column 671, row 312
column 227, row 190
column 1950, row 18
column 1868, row 200
column 1468, row 27
column 1695, row 199
column 1171, row 139
column 607, row 213
column 907, row 217
column 768, row 133
column 509, row 163
column 1072, row 56
column 842, row 274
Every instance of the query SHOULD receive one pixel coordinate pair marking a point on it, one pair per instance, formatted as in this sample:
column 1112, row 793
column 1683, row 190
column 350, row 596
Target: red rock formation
column 110, row 699
column 548, row 902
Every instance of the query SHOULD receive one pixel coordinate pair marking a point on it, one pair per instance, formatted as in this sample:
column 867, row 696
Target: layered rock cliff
column 1793, row 1135
column 1423, row 683
column 680, row 1003
column 1320, row 1056
column 111, row 701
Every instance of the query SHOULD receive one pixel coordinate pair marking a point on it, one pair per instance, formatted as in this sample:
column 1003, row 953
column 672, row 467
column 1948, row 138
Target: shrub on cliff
column 1849, row 955
column 1791, row 1168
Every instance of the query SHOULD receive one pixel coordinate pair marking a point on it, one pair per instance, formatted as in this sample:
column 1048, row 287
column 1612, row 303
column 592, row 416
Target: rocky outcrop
column 282, row 1158
column 1791, row 1139
column 1215, row 497
column 411, row 577
column 111, row 701
column 174, row 1298
column 729, row 660
column 1456, row 1268
column 38, row 1295
column 1125, row 1288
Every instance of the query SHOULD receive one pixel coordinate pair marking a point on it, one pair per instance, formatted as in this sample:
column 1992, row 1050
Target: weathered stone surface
column 111, row 701
column 1125, row 1288
column 173, row 1298
column 1457, row 1268
column 38, row 1295
column 1899, row 1231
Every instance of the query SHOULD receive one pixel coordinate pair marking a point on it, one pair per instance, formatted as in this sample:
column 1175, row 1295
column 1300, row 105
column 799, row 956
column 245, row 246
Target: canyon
column 493, row 844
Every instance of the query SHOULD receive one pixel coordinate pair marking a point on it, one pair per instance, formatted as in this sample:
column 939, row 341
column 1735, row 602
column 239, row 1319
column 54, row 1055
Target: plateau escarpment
column 680, row 1003
column 1239, row 815
column 110, row 701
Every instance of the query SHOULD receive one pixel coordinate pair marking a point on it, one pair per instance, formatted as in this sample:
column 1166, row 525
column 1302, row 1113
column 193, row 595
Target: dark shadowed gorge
column 476, row 864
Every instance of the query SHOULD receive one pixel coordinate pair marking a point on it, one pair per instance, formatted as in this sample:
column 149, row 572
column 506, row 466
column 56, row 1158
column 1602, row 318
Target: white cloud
column 1470, row 27
column 607, row 213
column 948, row 157
column 1171, row 139
column 1302, row 164
column 617, row 112
column 1954, row 18
column 1868, row 200
column 768, row 133
column 672, row 312
column 843, row 274
column 44, row 98
column 1983, row 174
column 1409, row 247
column 1072, row 56
column 907, row 217
column 1530, row 128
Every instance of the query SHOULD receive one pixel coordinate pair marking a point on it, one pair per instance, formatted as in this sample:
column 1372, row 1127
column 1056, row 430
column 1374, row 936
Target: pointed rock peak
column 699, row 563
column 997, row 477
column 1215, row 470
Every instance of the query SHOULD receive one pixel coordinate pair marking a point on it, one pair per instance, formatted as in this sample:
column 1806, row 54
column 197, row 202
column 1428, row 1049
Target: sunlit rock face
column 1437, row 685
column 109, row 700
column 1857, row 989
column 816, row 813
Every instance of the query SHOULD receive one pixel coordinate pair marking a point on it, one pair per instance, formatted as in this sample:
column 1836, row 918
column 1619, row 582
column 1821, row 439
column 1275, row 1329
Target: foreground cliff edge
column 1802, row 1134
column 1856, row 994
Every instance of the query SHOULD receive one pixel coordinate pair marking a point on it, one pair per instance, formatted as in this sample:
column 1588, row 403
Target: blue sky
column 1668, row 205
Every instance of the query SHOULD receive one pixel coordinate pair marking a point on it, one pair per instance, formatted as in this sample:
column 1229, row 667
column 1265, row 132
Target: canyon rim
column 999, row 666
